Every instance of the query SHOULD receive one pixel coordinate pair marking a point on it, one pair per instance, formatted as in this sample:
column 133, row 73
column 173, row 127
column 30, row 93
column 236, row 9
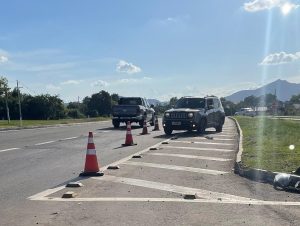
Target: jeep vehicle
column 133, row 109
column 194, row 113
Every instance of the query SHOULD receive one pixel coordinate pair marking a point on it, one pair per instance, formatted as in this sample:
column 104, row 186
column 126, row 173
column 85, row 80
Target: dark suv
column 195, row 113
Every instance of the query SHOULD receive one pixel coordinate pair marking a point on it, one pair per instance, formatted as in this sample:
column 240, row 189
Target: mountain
column 153, row 101
column 284, row 91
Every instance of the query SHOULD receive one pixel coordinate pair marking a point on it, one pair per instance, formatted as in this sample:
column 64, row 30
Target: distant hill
column 153, row 101
column 284, row 91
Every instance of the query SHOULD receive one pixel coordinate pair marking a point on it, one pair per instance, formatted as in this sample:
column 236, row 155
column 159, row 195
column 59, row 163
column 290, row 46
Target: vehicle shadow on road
column 120, row 128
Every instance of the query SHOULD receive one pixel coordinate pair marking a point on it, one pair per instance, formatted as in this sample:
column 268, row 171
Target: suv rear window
column 190, row 103
column 130, row 101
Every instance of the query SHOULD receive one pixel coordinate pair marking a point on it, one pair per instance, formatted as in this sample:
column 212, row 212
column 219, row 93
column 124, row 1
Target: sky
column 155, row 49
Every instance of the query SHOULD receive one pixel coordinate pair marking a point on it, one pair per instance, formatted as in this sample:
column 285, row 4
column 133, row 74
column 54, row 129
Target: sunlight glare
column 286, row 8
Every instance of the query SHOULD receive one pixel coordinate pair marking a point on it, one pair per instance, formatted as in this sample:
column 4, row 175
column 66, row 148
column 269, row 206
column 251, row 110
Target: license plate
column 176, row 123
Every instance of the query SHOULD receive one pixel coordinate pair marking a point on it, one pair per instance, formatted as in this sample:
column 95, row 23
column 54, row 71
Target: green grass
column 28, row 123
column 266, row 143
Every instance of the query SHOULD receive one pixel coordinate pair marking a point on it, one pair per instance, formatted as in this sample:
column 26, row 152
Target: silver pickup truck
column 133, row 109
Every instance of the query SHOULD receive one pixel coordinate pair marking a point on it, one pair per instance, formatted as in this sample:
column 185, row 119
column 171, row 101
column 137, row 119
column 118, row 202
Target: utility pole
column 20, row 110
column 6, row 104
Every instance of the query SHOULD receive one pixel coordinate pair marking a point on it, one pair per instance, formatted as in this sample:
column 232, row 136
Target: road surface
column 184, row 181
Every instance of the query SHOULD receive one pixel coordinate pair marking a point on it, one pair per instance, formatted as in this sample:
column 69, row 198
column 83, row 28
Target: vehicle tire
column 219, row 128
column 141, row 123
column 152, row 122
column 202, row 126
column 116, row 124
column 168, row 130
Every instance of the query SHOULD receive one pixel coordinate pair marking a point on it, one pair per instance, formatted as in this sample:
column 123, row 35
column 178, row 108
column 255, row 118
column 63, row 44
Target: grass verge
column 28, row 123
column 268, row 143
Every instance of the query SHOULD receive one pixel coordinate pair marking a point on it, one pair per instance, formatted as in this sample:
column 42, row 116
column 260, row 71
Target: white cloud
column 133, row 80
column 3, row 59
column 280, row 58
column 53, row 88
column 259, row 5
column 126, row 67
column 100, row 83
column 71, row 82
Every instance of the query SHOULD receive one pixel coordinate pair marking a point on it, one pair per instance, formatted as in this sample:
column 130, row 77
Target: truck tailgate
column 125, row 110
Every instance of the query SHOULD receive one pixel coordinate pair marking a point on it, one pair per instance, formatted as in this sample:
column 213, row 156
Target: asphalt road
column 146, row 191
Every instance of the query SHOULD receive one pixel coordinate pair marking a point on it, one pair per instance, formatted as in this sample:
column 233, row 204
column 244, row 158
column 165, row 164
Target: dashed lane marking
column 68, row 138
column 9, row 149
column 47, row 142
column 175, row 167
column 191, row 157
column 200, row 149
column 195, row 142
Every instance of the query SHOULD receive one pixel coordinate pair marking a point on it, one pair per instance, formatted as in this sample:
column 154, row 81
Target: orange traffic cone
column 129, row 139
column 156, row 125
column 91, row 167
column 145, row 129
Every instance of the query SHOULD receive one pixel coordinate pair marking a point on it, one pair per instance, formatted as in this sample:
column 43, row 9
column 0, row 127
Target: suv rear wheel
column 141, row 123
column 219, row 128
column 116, row 124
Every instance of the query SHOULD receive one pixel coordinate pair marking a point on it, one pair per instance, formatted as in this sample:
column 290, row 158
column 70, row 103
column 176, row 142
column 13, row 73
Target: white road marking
column 197, row 142
column 200, row 149
column 68, row 138
column 214, row 138
column 47, row 142
column 211, row 201
column 45, row 193
column 191, row 157
column 9, row 149
column 174, row 167
column 220, row 135
column 201, row 193
column 41, row 195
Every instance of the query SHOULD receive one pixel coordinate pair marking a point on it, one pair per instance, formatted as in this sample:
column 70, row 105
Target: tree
column 99, row 103
column 4, row 90
column 173, row 101
column 295, row 99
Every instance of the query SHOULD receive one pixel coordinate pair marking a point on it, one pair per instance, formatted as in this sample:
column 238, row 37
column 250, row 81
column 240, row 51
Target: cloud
column 100, row 83
column 53, row 88
column 71, row 82
column 3, row 59
column 133, row 80
column 259, row 5
column 280, row 58
column 126, row 67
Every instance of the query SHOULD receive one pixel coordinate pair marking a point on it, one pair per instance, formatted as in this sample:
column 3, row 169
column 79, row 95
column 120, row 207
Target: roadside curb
column 49, row 126
column 254, row 174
